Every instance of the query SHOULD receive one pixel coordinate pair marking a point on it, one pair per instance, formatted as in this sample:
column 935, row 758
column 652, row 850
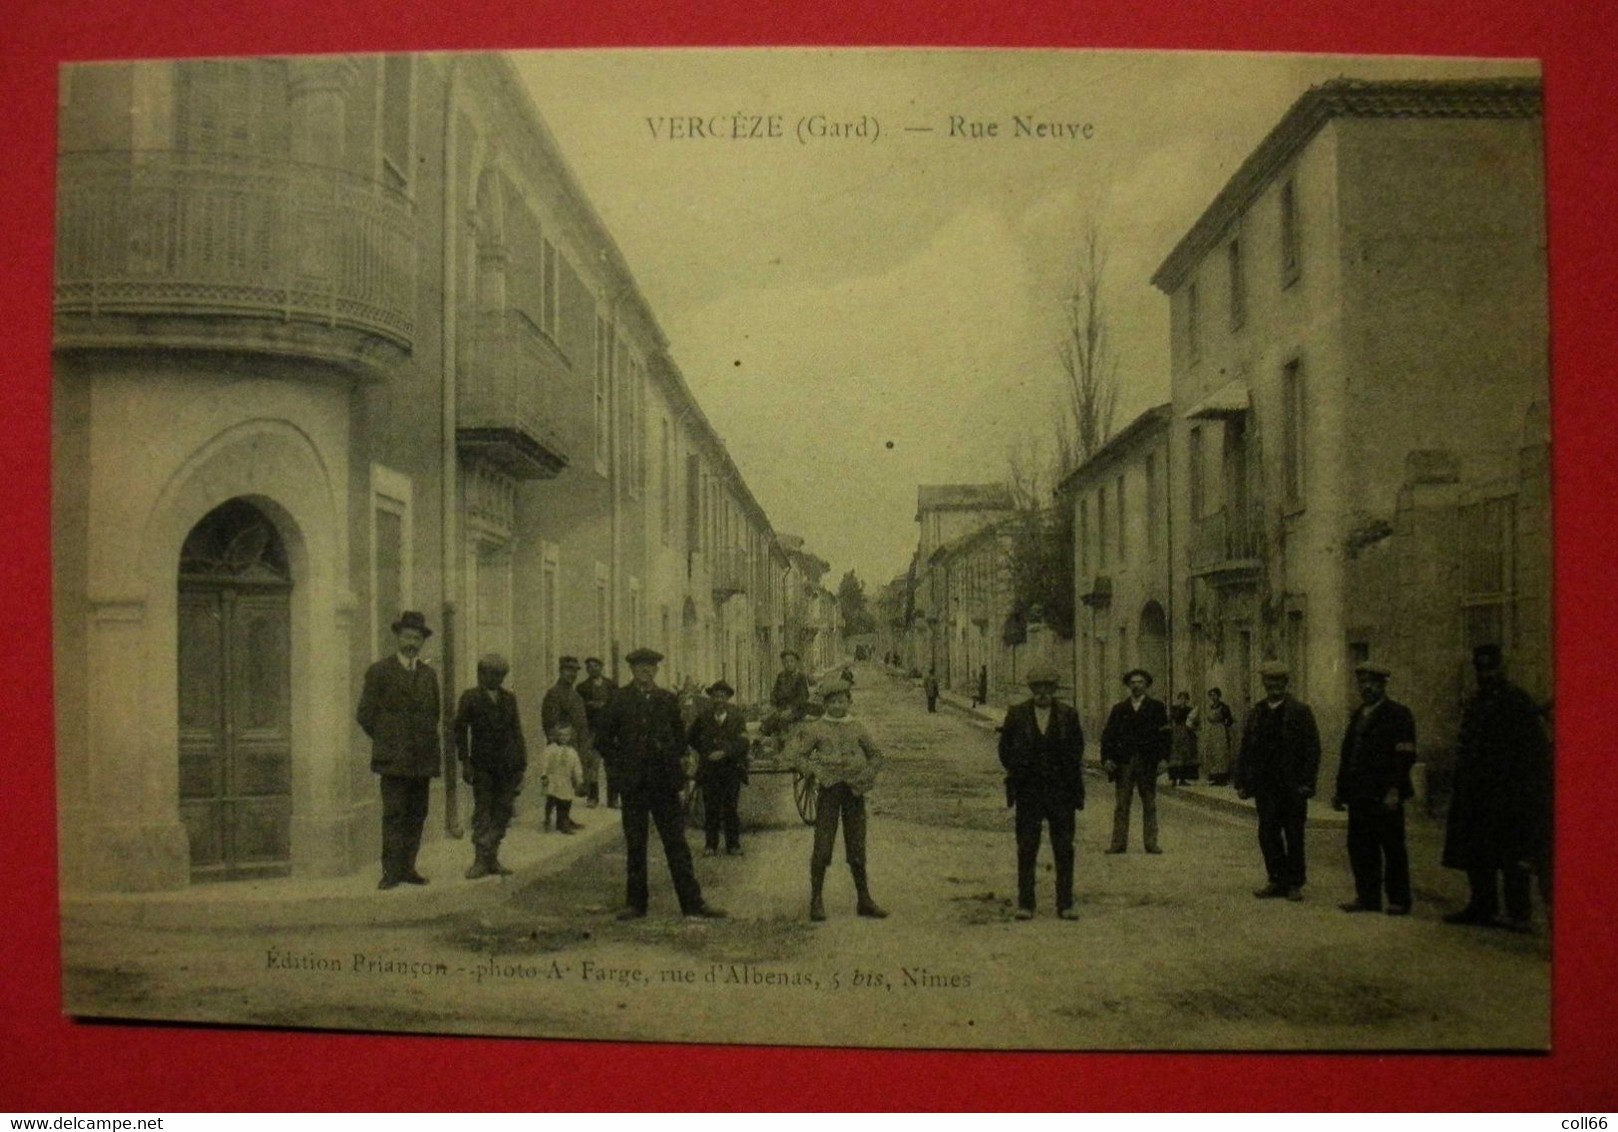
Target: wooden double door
column 235, row 698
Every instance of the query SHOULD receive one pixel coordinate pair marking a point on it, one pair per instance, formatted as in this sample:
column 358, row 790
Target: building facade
column 947, row 514
column 1124, row 613
column 334, row 338
column 1360, row 376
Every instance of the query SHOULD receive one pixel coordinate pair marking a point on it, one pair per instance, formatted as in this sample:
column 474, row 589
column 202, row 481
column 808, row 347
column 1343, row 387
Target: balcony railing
column 158, row 232
column 731, row 569
column 508, row 401
column 1227, row 542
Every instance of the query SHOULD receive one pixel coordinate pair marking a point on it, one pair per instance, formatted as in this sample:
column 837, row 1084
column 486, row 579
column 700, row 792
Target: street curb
column 196, row 907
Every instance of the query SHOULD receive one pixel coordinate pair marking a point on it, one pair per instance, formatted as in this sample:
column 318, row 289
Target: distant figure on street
column 643, row 744
column 1182, row 764
column 400, row 711
column 493, row 756
column 563, row 702
column 1133, row 743
column 981, row 696
column 1214, row 726
column 564, row 777
column 1276, row 766
column 929, row 688
column 1498, row 811
column 1373, row 783
column 719, row 737
column 789, row 697
column 1042, row 749
column 838, row 753
column 595, row 690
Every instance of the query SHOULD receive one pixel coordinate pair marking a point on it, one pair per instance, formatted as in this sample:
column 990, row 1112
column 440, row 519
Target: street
column 1169, row 952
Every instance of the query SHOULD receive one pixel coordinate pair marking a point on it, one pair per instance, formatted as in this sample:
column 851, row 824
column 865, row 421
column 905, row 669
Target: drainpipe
column 615, row 473
column 449, row 458
column 1168, row 549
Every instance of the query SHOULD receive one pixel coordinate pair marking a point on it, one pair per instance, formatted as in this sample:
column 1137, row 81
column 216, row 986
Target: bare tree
column 1088, row 363
column 1028, row 472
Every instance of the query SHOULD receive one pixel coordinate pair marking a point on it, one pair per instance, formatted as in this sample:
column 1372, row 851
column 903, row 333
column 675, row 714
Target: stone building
column 1359, row 375
column 1122, row 548
column 947, row 513
column 336, row 337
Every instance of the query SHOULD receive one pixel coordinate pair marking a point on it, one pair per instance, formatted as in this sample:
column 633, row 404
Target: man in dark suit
column 493, row 756
column 400, row 711
column 1042, row 749
column 643, row 743
column 1499, row 810
column 789, row 696
column 719, row 737
column 596, row 689
column 1133, row 743
column 563, row 701
column 1276, row 766
column 1373, row 782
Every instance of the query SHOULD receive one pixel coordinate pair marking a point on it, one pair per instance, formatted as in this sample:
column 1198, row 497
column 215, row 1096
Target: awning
column 1228, row 401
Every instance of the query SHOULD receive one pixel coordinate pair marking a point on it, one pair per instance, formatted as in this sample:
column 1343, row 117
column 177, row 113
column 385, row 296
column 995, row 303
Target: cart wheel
column 693, row 806
column 806, row 795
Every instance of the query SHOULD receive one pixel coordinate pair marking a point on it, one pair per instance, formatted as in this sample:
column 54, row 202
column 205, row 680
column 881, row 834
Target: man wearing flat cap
column 643, row 742
column 719, row 737
column 1133, row 743
column 400, row 712
column 1277, row 766
column 1499, row 806
column 595, row 689
column 493, row 756
column 790, row 694
column 1373, row 782
column 1042, row 749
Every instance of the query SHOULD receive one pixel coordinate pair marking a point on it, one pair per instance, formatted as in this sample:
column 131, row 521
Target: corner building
column 1359, row 388
column 337, row 337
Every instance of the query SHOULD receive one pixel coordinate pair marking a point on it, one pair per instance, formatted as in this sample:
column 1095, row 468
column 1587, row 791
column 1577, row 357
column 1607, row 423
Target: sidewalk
column 354, row 899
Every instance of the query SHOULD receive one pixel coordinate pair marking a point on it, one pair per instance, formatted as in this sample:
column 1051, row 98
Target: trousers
column 1135, row 775
column 721, row 809
column 494, row 795
column 663, row 810
column 1486, row 885
column 1281, row 817
column 836, row 803
column 1376, row 854
column 1031, row 820
column 404, row 813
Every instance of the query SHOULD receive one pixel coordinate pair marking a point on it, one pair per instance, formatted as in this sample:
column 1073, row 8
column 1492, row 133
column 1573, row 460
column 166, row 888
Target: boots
column 817, row 881
column 495, row 866
column 866, row 906
column 480, row 866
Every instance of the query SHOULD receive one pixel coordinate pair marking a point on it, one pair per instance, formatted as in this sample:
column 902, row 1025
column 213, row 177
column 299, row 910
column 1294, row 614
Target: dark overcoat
column 708, row 737
column 1046, row 769
column 562, row 701
column 1497, row 810
column 400, row 710
column 1381, row 759
column 790, row 694
column 642, row 741
column 1294, row 765
column 1134, row 735
column 488, row 730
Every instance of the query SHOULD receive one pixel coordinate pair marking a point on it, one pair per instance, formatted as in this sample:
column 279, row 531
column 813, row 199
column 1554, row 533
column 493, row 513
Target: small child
column 837, row 752
column 563, row 778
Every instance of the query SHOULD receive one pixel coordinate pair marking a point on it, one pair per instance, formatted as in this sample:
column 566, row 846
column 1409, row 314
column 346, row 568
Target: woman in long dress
column 1215, row 724
column 1182, row 765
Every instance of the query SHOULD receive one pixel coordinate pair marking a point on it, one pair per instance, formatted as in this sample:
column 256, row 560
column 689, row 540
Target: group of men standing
column 1499, row 816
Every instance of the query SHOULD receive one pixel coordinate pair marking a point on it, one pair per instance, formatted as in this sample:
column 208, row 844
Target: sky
column 865, row 313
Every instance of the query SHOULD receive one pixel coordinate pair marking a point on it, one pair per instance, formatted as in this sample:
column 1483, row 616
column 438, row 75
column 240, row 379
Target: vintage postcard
column 890, row 548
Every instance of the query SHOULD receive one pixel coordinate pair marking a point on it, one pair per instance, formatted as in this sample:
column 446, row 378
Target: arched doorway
column 1154, row 641
column 235, row 695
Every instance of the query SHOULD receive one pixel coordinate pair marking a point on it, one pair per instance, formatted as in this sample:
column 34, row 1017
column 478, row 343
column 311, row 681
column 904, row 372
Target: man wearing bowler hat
column 1276, row 766
column 719, row 737
column 1373, row 782
column 399, row 710
column 1042, row 749
column 1133, row 743
column 643, row 743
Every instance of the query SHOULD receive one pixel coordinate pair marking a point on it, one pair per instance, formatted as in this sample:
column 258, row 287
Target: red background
column 50, row 1064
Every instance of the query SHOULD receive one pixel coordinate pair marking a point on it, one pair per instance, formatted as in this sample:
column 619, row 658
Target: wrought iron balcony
column 232, row 251
column 508, row 401
column 731, row 571
column 1227, row 546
